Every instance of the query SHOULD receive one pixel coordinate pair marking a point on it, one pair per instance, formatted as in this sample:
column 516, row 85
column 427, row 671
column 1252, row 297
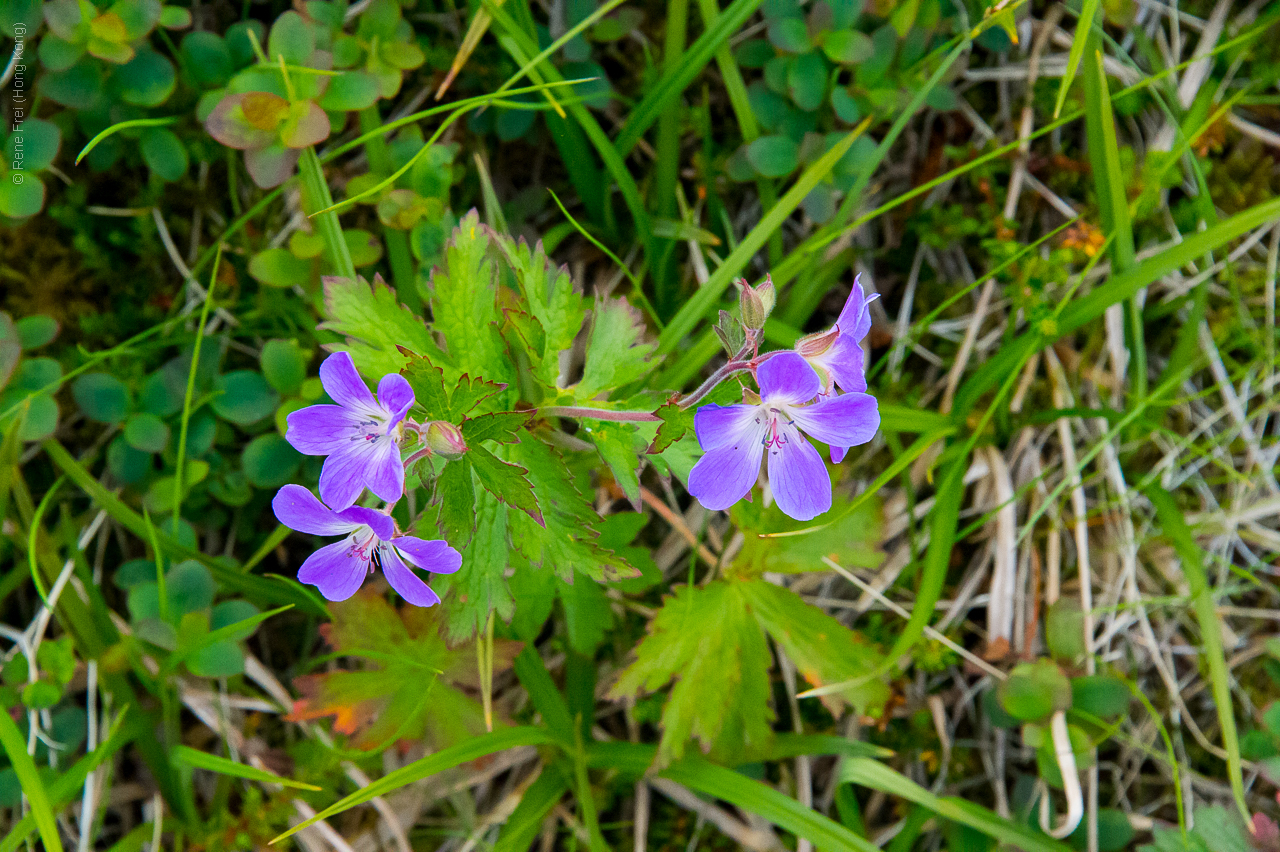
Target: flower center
column 366, row 547
column 774, row 435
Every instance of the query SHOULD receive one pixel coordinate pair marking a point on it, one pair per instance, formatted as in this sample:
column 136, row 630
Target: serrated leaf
column 469, row 393
column 823, row 649
column 428, row 383
column 617, row 447
column 456, row 493
column 615, row 355
column 463, row 292
column 675, row 423
column 851, row 539
column 567, row 539
column 721, row 691
column 375, row 323
column 555, row 308
column 479, row 586
column 500, row 426
column 505, row 481
column 406, row 686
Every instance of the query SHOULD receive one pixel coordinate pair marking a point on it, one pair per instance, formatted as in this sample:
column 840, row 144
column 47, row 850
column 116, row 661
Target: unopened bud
column 445, row 439
column 813, row 345
column 756, row 303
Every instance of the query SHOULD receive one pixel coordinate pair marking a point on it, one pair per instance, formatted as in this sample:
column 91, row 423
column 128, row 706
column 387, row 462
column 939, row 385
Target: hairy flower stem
column 598, row 413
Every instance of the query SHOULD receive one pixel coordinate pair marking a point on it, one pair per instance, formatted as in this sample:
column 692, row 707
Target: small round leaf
column 164, row 153
column 269, row 461
column 102, row 397
column 36, row 330
column 146, row 433
column 284, row 365
column 773, row 156
column 243, row 397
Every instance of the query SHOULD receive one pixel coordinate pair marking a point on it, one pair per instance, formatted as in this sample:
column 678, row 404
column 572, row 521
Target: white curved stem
column 1070, row 781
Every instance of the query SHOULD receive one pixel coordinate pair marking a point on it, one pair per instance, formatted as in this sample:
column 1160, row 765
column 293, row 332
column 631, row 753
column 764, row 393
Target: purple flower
column 360, row 435
column 371, row 542
column 835, row 354
column 734, row 438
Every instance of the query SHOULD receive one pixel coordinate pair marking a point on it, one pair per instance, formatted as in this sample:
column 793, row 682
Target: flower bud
column 756, row 303
column 445, row 439
column 813, row 345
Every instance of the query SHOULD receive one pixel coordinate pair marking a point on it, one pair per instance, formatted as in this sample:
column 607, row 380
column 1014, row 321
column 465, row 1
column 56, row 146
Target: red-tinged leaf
column 675, row 423
column 307, row 124
column 409, row 684
column 230, row 126
column 270, row 166
column 500, row 426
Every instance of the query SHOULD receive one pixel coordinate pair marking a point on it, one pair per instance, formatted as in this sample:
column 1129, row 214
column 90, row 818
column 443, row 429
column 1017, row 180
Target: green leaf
column 615, row 355
column 617, row 446
column 35, row 331
column 163, row 153
column 1034, row 691
column 349, row 91
column 456, row 493
column 848, row 47
column 721, row 691
column 40, row 142
column 823, row 649
column 675, row 423
column 226, row 766
column 505, row 481
column 566, row 541
column 463, row 292
column 587, row 615
column 147, row 80
column 21, row 198
column 501, row 426
column 468, row 394
column 375, row 324
column 553, row 302
column 269, row 461
column 852, row 538
column 806, row 82
column 277, row 267
column 1103, row 696
column 284, row 365
column 292, row 38
column 525, row 823
column 789, row 34
column 147, row 433
column 244, row 397
column 1088, row 17
column 774, row 156
column 1064, row 630
column 101, row 396
column 480, row 585
column 208, row 58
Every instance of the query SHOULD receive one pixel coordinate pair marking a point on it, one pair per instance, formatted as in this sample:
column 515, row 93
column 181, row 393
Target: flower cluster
column 360, row 438
column 798, row 391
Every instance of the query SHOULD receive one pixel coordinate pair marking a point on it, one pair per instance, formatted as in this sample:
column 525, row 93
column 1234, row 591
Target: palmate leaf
column 706, row 640
column 851, row 538
column 615, row 354
column 463, row 296
column 456, row 494
column 410, row 683
column 500, row 426
column 620, row 446
column 823, row 649
column 375, row 323
column 675, row 423
column 505, row 481
column 444, row 398
column 567, row 540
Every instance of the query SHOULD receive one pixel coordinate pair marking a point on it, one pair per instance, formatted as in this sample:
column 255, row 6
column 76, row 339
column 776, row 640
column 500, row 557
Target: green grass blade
column 122, row 125
column 1175, row 527
column 32, row 784
column 33, row 535
column 761, row 799
column 223, row 634
column 669, row 87
column 877, row 776
column 185, row 419
column 525, row 823
column 1088, row 15
column 476, row 747
column 317, row 200
column 1091, row 306
column 546, row 699
column 704, row 301
column 278, row 591
column 226, row 766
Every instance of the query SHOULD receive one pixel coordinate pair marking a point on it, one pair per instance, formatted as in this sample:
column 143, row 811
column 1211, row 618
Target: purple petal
column 380, row 522
column 342, row 477
column 403, row 580
column 334, row 570
column 384, row 474
column 848, row 364
column 344, row 385
column 434, row 556
column 787, row 378
column 845, row 421
column 717, row 425
column 725, row 474
column 319, row 430
column 799, row 479
column 396, row 396
column 298, row 509
column 837, row 453
column 855, row 317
